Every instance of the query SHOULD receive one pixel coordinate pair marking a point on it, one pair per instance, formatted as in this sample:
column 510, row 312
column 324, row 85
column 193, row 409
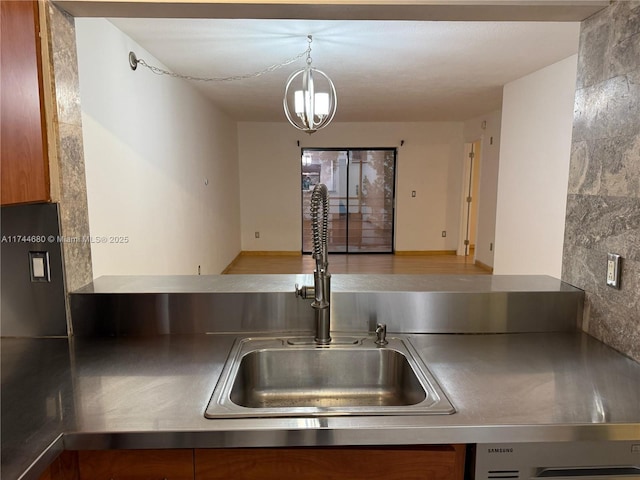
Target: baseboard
column 425, row 252
column 483, row 266
column 258, row 253
column 233, row 262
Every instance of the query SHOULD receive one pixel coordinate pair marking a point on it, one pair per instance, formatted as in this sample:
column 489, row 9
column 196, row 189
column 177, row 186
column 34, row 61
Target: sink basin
column 325, row 378
column 278, row 377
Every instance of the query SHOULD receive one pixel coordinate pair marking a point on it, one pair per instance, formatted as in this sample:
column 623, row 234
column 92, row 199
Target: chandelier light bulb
column 322, row 104
column 299, row 102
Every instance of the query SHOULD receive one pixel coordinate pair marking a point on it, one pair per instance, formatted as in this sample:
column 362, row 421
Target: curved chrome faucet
column 321, row 277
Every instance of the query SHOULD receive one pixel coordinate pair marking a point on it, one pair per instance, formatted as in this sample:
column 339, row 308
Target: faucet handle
column 305, row 291
column 381, row 334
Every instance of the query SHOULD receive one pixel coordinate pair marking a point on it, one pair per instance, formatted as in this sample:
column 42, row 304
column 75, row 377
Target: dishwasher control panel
column 603, row 460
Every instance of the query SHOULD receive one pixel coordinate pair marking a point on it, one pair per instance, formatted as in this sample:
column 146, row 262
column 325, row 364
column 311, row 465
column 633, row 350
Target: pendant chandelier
column 313, row 96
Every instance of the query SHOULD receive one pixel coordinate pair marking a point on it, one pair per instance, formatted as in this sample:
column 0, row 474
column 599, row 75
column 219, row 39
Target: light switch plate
column 613, row 270
column 39, row 266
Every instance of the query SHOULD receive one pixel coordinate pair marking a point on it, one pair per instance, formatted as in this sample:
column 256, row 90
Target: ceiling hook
column 133, row 61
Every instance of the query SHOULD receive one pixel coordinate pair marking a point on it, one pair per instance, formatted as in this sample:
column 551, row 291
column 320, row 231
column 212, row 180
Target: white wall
column 537, row 118
column 489, row 157
column 150, row 142
column 430, row 162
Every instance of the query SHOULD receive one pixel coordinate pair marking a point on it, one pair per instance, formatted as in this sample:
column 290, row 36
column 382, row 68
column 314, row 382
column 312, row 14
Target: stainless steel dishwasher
column 606, row 460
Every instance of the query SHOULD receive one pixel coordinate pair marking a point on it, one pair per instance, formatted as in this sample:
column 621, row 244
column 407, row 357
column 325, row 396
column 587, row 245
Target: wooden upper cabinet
column 24, row 166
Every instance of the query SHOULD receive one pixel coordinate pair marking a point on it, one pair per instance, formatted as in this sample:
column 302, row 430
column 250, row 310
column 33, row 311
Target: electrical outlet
column 444, row 233
column 257, row 234
column 491, row 247
column 613, row 270
column 413, row 193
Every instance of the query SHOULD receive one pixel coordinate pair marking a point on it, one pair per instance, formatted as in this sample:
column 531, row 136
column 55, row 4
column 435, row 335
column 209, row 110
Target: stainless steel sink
column 280, row 377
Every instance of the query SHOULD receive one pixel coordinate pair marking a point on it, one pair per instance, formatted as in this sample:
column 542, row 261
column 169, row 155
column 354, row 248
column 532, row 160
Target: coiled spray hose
column 320, row 197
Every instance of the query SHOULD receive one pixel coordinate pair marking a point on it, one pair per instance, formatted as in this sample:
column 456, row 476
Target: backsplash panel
column 31, row 309
column 185, row 304
column 603, row 204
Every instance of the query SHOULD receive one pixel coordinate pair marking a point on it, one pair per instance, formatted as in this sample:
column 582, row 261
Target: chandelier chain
column 308, row 52
column 269, row 69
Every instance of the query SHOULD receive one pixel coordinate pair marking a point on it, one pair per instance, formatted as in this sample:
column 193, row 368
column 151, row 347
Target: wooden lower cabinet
column 440, row 462
column 122, row 465
column 65, row 467
column 353, row 463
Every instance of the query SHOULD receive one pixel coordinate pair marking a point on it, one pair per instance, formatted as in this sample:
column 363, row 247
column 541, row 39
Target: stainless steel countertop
column 151, row 392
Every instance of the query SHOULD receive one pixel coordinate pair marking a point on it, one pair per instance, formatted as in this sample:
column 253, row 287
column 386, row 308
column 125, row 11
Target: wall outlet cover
column 39, row 267
column 613, row 270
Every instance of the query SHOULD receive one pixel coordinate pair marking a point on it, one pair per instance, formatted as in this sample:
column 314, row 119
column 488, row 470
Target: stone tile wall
column 603, row 204
column 67, row 120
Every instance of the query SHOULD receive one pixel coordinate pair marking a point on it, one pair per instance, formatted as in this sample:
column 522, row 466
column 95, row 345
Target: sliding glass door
column 361, row 197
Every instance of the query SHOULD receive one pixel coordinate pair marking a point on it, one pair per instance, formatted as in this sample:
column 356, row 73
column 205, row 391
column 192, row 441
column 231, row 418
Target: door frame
column 474, row 146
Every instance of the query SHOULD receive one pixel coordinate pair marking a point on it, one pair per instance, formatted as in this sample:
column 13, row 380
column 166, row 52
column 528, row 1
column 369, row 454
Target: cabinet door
column 370, row 463
column 136, row 464
column 25, row 169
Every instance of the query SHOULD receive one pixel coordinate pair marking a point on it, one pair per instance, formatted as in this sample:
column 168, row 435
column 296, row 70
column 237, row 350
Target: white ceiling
column 383, row 70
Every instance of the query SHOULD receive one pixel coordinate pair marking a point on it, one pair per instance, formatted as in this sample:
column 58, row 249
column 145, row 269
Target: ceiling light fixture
column 314, row 105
